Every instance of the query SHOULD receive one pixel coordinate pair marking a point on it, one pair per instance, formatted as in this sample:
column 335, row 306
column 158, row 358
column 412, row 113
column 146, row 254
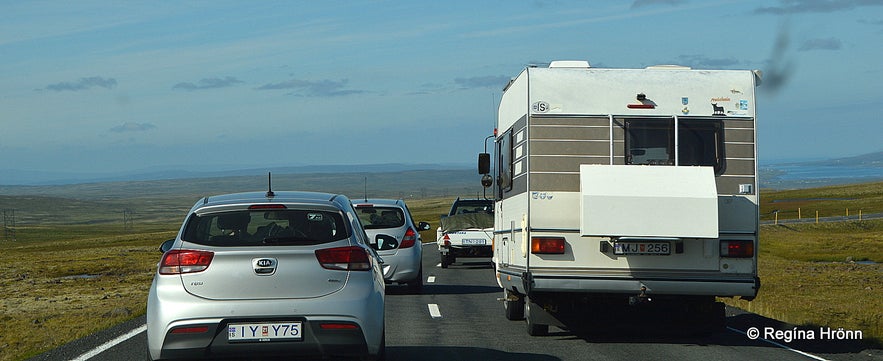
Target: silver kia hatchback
column 280, row 274
column 389, row 223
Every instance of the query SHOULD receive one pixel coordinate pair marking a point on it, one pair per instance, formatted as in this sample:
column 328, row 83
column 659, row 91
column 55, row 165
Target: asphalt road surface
column 458, row 317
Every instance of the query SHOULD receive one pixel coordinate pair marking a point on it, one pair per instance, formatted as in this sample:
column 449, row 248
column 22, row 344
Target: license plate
column 655, row 248
column 264, row 331
column 474, row 242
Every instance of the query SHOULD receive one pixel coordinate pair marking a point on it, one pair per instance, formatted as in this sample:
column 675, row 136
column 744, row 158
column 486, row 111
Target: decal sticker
column 685, row 111
column 743, row 104
column 540, row 107
column 718, row 110
column 685, row 101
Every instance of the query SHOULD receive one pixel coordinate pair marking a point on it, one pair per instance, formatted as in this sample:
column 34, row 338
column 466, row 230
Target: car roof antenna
column 270, row 193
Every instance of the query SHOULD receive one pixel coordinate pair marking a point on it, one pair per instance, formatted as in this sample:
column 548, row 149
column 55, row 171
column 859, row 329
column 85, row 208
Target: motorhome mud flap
column 527, row 282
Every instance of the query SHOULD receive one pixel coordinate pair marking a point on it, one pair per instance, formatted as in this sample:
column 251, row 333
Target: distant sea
column 782, row 176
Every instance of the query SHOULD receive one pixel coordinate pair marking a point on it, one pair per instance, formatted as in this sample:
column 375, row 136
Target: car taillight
column 544, row 245
column 338, row 326
column 737, row 249
column 447, row 240
column 197, row 329
column 409, row 239
column 181, row 261
column 352, row 258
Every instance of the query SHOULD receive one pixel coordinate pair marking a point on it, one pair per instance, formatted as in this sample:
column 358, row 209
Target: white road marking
column 774, row 343
column 438, row 265
column 107, row 345
column 430, row 279
column 433, row 311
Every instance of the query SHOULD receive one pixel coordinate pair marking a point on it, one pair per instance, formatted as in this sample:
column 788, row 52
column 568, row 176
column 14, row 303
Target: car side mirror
column 384, row 242
column 166, row 246
column 424, row 226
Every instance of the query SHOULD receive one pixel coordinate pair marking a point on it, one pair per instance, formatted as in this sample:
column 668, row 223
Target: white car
column 252, row 274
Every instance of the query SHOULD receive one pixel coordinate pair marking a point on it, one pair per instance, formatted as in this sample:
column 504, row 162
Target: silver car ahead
column 389, row 223
column 285, row 273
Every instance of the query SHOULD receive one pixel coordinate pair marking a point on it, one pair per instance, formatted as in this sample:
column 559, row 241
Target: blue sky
column 109, row 86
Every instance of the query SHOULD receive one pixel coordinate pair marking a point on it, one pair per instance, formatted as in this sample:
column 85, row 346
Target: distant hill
column 25, row 177
column 865, row 160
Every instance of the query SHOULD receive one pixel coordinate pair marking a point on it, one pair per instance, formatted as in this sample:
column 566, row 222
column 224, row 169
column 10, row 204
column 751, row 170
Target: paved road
column 467, row 323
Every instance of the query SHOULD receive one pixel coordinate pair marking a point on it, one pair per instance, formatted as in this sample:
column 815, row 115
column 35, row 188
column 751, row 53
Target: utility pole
column 128, row 219
column 9, row 224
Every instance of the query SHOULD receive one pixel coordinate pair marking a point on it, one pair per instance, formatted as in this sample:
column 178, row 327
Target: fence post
column 817, row 217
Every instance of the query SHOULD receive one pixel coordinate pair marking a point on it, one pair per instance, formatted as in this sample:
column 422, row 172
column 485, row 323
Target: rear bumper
column 697, row 284
column 316, row 342
column 358, row 303
column 467, row 251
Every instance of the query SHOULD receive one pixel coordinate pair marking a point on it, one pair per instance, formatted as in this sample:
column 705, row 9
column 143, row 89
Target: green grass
column 810, row 277
column 828, row 201
column 64, row 287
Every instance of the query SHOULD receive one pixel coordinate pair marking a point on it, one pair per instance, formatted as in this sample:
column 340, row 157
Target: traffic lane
column 472, row 321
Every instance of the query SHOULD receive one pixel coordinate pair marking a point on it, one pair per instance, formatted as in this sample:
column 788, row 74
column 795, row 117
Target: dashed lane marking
column 434, row 311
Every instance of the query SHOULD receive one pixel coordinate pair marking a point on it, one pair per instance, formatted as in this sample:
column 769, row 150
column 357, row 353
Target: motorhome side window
column 652, row 142
column 504, row 154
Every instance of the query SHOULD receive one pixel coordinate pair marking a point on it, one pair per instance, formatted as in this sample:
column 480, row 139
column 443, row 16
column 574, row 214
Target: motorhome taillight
column 547, row 245
column 352, row 258
column 737, row 249
column 409, row 239
column 181, row 261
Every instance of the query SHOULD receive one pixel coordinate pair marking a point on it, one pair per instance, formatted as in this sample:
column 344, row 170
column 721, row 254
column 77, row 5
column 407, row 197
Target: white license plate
column 474, row 242
column 656, row 248
column 265, row 331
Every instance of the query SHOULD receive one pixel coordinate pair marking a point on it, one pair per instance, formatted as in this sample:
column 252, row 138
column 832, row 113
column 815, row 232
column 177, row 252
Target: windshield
column 256, row 228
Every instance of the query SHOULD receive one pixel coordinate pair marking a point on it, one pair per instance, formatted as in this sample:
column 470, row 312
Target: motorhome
column 624, row 186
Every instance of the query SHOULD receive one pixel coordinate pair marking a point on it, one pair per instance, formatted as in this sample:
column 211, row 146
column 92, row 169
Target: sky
column 118, row 86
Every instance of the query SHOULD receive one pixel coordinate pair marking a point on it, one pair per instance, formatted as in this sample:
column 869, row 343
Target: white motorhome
column 624, row 186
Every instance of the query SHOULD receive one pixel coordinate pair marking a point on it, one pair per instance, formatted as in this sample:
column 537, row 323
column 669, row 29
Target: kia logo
column 264, row 262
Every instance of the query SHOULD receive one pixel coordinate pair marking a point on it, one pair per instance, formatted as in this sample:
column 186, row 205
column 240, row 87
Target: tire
column 381, row 355
column 514, row 309
column 445, row 260
column 416, row 285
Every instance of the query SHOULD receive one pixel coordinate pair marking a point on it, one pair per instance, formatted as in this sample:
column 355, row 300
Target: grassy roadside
column 60, row 289
column 813, row 275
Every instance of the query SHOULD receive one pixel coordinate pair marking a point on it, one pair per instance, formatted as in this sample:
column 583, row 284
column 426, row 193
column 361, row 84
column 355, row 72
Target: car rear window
column 467, row 207
column 265, row 228
column 374, row 217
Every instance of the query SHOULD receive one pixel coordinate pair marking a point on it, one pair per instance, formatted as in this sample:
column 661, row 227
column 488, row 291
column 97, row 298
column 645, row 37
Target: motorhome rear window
column 652, row 142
